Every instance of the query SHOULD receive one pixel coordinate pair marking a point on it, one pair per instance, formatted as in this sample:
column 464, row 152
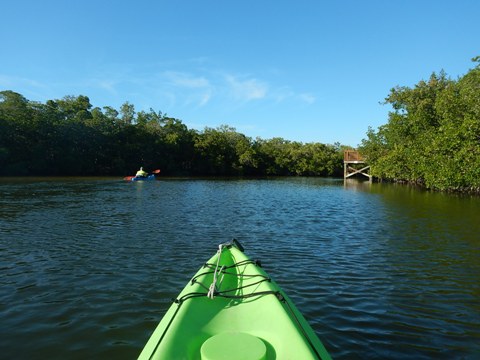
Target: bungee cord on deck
column 219, row 273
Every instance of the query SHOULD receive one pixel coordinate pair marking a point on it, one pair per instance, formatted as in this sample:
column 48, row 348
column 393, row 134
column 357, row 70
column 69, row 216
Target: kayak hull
column 245, row 306
column 146, row 178
column 140, row 178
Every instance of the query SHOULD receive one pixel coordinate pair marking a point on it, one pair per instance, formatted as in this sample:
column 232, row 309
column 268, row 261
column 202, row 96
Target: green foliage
column 278, row 156
column 70, row 137
column 432, row 136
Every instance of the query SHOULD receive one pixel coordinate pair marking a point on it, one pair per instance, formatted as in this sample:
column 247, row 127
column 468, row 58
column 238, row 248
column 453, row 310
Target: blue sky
column 309, row 71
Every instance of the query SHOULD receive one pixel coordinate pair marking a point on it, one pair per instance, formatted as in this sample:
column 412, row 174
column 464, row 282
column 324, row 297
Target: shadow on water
column 429, row 258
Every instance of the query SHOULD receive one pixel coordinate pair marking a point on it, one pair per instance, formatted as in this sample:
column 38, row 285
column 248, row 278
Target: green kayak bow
column 231, row 309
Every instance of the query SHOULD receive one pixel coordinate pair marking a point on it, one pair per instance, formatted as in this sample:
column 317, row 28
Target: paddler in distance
column 141, row 173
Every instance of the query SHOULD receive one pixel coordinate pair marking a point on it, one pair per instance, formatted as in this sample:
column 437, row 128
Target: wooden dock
column 355, row 164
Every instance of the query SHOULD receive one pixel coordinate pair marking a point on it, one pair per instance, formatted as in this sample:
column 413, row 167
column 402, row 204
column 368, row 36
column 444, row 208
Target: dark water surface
column 88, row 266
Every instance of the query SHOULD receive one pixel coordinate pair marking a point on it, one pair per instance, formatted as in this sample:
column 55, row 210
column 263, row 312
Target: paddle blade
column 128, row 178
column 156, row 171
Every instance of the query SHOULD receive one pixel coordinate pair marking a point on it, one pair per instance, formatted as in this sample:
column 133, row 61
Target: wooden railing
column 352, row 155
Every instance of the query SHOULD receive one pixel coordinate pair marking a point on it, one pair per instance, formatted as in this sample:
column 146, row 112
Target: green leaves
column 68, row 137
column 433, row 134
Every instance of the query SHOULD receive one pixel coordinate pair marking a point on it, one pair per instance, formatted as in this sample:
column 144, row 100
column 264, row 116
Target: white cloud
column 250, row 89
column 193, row 89
column 12, row 81
column 109, row 85
column 205, row 98
column 282, row 93
column 186, row 80
column 171, row 87
column 307, row 98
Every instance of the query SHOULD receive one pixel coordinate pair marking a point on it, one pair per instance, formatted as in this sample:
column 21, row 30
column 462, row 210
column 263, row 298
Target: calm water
column 88, row 266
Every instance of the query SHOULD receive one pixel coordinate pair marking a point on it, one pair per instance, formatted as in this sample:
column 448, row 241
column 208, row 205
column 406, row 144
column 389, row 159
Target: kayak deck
column 232, row 309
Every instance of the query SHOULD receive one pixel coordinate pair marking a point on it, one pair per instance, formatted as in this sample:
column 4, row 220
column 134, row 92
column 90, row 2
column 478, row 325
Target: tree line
column 432, row 137
column 70, row 137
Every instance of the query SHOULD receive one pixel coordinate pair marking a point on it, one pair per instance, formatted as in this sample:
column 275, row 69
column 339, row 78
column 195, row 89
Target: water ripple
column 88, row 267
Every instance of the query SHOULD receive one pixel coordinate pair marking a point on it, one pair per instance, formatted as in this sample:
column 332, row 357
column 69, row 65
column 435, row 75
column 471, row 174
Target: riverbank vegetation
column 71, row 137
column 432, row 137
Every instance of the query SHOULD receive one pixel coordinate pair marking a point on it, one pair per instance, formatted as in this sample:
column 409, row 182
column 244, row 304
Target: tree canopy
column 71, row 137
column 432, row 136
